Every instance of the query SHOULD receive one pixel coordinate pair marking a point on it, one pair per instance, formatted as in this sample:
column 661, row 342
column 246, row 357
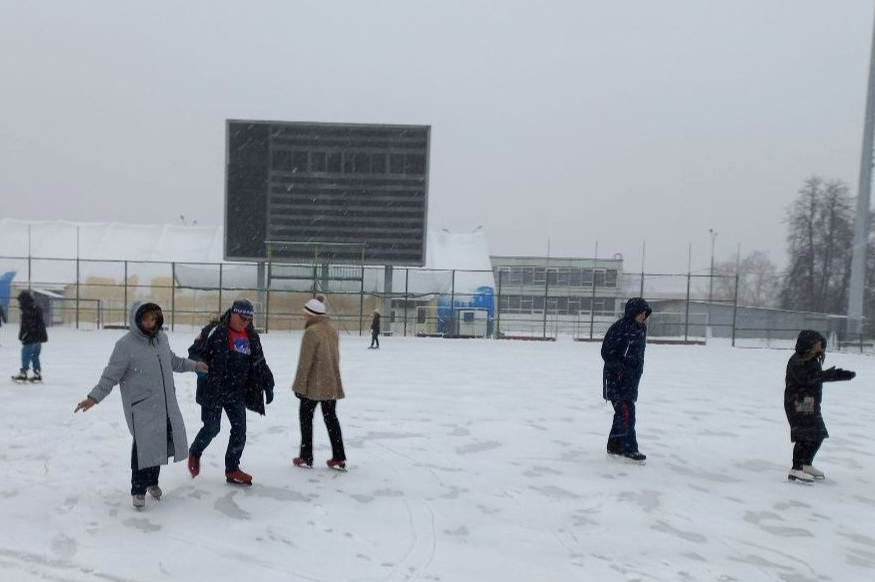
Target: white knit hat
column 314, row 307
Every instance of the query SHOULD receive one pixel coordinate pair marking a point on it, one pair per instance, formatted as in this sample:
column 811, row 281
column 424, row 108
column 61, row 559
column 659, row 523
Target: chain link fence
column 540, row 304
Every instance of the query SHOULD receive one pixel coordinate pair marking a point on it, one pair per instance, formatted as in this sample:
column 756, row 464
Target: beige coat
column 318, row 375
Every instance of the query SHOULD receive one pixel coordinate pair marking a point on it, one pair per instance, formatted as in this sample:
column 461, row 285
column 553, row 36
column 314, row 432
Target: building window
column 318, row 161
column 611, row 278
column 586, row 277
column 362, row 164
column 299, row 161
column 334, row 163
column 348, row 162
column 378, row 163
column 396, row 163
column 414, row 164
column 281, row 160
column 540, row 276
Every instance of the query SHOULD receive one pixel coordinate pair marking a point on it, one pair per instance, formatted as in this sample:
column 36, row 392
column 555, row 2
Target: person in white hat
column 317, row 381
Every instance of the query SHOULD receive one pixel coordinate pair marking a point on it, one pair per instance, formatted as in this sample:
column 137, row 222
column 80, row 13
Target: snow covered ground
column 469, row 460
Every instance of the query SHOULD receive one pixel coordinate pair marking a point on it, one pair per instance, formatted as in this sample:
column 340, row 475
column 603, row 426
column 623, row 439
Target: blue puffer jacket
column 623, row 353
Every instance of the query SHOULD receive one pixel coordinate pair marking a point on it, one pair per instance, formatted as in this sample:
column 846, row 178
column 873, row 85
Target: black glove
column 842, row 375
column 268, row 395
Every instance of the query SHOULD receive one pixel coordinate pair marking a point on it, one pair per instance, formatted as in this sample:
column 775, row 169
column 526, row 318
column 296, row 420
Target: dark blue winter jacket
column 623, row 353
column 228, row 375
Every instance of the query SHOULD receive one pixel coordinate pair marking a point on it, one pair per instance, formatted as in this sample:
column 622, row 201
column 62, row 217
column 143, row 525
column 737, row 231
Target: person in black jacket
column 623, row 354
column 239, row 379
column 32, row 334
column 375, row 331
column 803, row 394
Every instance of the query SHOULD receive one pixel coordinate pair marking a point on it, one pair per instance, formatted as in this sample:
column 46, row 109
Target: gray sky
column 570, row 120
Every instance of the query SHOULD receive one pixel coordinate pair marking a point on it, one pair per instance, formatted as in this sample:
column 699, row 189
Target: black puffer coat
column 211, row 346
column 33, row 328
column 623, row 353
column 803, row 390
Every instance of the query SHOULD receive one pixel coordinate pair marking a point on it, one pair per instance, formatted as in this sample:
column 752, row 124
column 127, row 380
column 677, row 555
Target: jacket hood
column 25, row 299
column 635, row 306
column 137, row 311
column 806, row 340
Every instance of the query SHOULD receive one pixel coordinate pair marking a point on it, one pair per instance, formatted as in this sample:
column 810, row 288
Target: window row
column 559, row 277
column 347, row 162
column 534, row 304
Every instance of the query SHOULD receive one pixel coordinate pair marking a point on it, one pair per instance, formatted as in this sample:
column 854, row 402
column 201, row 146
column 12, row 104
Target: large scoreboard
column 340, row 193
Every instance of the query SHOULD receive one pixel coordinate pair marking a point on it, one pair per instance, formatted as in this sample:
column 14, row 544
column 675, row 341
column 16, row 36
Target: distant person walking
column 623, row 354
column 375, row 331
column 239, row 379
column 2, row 316
column 32, row 334
column 317, row 382
column 142, row 364
column 803, row 394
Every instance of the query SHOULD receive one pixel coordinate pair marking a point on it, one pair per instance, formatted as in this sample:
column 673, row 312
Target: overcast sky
column 573, row 121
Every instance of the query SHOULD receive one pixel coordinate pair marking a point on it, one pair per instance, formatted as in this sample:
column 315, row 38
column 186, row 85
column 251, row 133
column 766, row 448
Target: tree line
column 820, row 240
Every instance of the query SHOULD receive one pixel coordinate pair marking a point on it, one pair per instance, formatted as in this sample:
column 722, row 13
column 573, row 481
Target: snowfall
column 469, row 460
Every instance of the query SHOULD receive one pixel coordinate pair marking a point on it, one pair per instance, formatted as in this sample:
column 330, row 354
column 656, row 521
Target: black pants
column 623, row 438
column 375, row 338
column 305, row 414
column 804, row 452
column 211, row 416
column 142, row 478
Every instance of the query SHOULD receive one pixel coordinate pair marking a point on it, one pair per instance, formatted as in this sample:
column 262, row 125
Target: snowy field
column 469, row 460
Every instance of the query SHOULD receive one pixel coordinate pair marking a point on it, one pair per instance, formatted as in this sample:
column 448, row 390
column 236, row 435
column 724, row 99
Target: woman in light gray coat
column 142, row 364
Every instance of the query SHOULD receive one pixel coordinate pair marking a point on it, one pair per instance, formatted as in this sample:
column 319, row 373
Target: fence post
column 498, row 306
column 687, row 314
column 77, row 281
column 546, row 299
column 592, row 303
column 125, row 306
column 406, row 296
column 735, row 310
column 173, row 296
column 362, row 301
column 221, row 273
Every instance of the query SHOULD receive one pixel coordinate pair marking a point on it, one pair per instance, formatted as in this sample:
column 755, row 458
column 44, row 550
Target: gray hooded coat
column 143, row 368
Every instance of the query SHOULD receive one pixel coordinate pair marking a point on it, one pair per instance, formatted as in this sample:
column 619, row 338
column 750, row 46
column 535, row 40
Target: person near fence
column 142, row 364
column 375, row 331
column 318, row 383
column 623, row 353
column 32, row 334
column 239, row 379
column 803, row 394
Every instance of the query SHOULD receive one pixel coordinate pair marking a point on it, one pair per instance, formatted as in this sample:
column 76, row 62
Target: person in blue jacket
column 623, row 354
column 239, row 379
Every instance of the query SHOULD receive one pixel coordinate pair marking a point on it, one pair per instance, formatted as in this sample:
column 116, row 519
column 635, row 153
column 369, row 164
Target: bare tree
column 820, row 238
column 758, row 282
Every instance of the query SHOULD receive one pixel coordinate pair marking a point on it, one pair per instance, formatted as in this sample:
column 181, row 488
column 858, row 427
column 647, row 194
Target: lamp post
column 713, row 234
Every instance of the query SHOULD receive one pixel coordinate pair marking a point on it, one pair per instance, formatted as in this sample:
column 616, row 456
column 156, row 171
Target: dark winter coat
column 623, row 353
column 803, row 390
column 2, row 316
column 211, row 346
column 375, row 324
column 33, row 328
column 143, row 367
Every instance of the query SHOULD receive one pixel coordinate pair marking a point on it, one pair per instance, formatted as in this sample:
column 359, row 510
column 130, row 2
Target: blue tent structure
column 5, row 286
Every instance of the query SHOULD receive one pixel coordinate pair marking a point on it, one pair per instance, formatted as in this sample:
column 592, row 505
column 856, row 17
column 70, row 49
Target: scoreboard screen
column 337, row 192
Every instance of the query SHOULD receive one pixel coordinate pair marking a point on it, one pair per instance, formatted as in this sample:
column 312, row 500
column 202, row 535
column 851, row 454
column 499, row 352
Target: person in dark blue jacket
column 239, row 379
column 623, row 353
